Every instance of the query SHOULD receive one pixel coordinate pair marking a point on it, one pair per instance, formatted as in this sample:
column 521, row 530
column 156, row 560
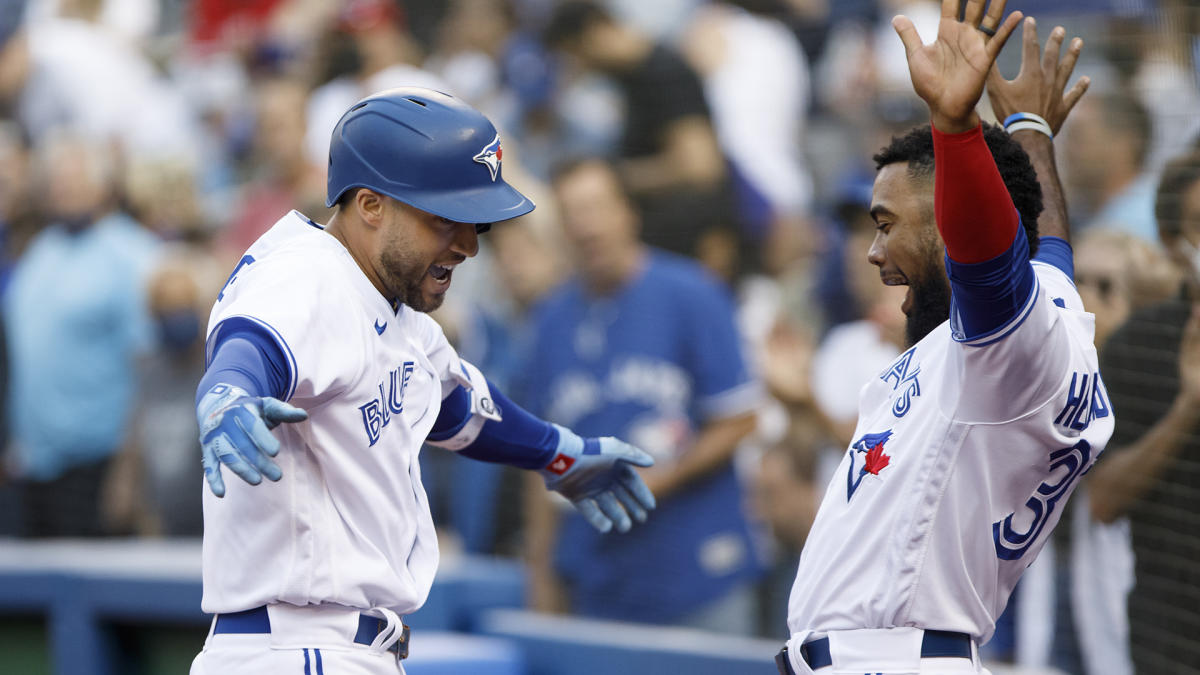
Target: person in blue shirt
column 76, row 322
column 642, row 343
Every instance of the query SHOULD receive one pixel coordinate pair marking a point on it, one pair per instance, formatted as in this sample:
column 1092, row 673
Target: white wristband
column 1031, row 125
column 1022, row 121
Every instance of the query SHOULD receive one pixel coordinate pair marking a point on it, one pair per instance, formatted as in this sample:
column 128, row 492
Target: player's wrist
column 217, row 398
column 952, row 125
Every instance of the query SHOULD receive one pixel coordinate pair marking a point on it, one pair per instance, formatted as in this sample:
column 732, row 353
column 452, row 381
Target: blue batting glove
column 597, row 475
column 235, row 430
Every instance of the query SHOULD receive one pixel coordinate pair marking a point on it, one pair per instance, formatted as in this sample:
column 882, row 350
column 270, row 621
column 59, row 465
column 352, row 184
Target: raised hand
column 950, row 73
column 1038, row 87
column 597, row 475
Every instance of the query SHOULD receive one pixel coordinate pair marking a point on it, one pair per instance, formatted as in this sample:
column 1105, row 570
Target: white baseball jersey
column 349, row 522
column 964, row 456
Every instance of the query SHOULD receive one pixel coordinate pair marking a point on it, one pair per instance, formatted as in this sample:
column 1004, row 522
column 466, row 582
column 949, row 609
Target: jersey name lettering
column 899, row 371
column 378, row 412
column 1084, row 403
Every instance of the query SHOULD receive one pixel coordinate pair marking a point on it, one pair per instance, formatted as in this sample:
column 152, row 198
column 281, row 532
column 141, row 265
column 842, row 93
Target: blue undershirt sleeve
column 1056, row 251
column 519, row 439
column 249, row 358
column 991, row 296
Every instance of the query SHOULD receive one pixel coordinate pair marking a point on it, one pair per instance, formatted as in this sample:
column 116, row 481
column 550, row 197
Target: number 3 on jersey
column 246, row 260
column 1010, row 544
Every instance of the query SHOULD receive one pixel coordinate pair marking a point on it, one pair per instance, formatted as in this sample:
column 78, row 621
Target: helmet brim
column 488, row 204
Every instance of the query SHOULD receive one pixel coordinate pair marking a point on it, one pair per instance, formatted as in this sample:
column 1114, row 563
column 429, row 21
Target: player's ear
column 370, row 206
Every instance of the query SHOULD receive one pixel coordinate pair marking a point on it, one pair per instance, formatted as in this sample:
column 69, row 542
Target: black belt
column 256, row 621
column 934, row 644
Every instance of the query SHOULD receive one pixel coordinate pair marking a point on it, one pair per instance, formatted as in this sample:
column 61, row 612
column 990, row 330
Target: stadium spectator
column 369, row 50
column 282, row 177
column 643, row 344
column 668, row 152
column 1151, row 472
column 756, row 82
column 787, row 490
column 1106, row 171
column 76, row 320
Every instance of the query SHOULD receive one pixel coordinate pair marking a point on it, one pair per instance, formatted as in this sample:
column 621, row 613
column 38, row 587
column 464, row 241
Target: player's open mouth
column 440, row 273
column 900, row 280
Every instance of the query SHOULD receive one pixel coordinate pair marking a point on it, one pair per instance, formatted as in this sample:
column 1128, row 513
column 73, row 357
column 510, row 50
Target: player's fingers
column 632, row 507
column 1053, row 49
column 950, row 9
column 227, row 451
column 276, row 412
column 591, row 513
column 1067, row 65
column 254, row 427
column 1005, row 31
column 608, row 503
column 908, row 34
column 638, row 488
column 260, row 446
column 1076, row 93
column 212, row 471
column 973, row 14
column 624, row 451
column 1029, row 44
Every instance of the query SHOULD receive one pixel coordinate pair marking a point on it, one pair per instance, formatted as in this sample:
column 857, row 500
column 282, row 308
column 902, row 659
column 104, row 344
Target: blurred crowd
column 694, row 278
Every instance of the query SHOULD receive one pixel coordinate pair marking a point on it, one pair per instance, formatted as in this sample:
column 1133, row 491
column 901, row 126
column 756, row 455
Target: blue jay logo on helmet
column 490, row 156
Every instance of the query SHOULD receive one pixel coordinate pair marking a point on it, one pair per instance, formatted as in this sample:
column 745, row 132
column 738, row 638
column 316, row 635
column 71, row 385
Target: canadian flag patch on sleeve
column 560, row 464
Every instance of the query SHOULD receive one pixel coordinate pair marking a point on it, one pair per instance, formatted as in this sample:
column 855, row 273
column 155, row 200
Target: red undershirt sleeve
column 974, row 211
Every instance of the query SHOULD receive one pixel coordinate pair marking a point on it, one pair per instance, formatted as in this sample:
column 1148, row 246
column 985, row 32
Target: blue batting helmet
column 426, row 149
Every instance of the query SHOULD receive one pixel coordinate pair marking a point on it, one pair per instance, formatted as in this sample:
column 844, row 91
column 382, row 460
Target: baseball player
column 969, row 443
column 320, row 334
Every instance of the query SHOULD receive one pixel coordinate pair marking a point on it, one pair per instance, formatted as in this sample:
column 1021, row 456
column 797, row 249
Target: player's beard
column 405, row 277
column 930, row 306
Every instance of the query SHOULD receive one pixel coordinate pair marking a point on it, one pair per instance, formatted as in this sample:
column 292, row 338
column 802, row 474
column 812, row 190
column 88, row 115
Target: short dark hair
column 916, row 148
column 570, row 20
column 347, row 197
column 1180, row 174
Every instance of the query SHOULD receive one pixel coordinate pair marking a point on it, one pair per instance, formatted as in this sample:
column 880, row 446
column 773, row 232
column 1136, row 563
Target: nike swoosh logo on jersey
column 378, row 328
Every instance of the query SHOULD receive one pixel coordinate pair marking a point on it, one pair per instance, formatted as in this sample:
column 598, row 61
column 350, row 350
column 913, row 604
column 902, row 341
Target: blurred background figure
column 1151, row 472
column 76, row 320
column 642, row 345
column 787, row 490
column 668, row 154
column 756, row 82
column 367, row 49
column 281, row 176
column 1108, row 180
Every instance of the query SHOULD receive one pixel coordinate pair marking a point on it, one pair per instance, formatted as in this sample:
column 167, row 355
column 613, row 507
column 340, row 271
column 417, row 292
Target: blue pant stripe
column 306, row 668
column 320, row 670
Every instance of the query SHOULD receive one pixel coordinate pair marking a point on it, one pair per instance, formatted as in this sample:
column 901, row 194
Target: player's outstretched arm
column 1038, row 89
column 596, row 474
column 236, row 412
